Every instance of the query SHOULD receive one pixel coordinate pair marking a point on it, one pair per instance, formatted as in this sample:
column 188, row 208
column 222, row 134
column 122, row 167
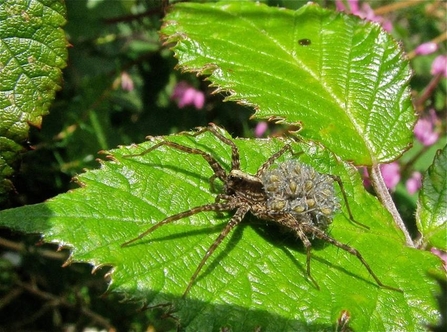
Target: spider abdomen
column 300, row 190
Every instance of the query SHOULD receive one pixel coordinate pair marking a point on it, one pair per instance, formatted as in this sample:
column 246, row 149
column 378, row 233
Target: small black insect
column 304, row 42
column 292, row 195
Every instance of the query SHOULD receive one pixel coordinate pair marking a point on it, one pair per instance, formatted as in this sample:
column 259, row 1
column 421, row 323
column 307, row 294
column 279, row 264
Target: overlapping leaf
column 343, row 79
column 431, row 213
column 32, row 53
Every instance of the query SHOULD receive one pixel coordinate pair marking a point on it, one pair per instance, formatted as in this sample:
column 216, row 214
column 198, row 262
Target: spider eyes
column 235, row 179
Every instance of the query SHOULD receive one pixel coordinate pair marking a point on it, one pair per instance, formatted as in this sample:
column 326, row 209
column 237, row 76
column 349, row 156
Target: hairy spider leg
column 235, row 220
column 290, row 222
column 212, row 128
column 219, row 207
column 308, row 246
column 345, row 198
column 235, row 159
column 218, row 170
column 303, row 229
column 266, row 165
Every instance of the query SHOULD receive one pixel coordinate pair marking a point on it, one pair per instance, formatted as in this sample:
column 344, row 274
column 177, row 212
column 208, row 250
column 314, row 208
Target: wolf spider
column 242, row 192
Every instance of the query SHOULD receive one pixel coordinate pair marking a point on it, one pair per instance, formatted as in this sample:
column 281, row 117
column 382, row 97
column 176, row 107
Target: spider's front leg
column 219, row 172
column 266, row 165
column 235, row 220
column 213, row 129
column 218, row 207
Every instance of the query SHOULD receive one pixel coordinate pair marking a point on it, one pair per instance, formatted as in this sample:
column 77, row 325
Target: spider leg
column 266, row 165
column 212, row 128
column 303, row 237
column 323, row 236
column 219, row 198
column 208, row 207
column 235, row 220
column 224, row 197
column 345, row 198
column 218, row 170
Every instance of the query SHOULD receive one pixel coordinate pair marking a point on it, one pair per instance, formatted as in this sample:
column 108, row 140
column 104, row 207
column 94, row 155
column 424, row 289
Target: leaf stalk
column 385, row 198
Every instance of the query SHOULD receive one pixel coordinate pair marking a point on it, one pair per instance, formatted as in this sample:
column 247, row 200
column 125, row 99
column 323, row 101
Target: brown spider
column 294, row 196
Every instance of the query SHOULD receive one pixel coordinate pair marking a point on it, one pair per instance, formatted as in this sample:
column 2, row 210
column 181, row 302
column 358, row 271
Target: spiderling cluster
column 298, row 189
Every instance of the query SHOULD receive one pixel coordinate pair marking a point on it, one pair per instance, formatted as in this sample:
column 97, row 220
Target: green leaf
column 33, row 51
column 257, row 276
column 343, row 79
column 431, row 213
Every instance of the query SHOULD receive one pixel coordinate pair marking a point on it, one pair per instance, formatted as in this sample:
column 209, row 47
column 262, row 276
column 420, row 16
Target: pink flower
column 261, row 128
column 126, row 82
column 414, row 182
column 184, row 94
column 441, row 254
column 340, row 6
column 364, row 11
column 424, row 130
column 439, row 66
column 391, row 174
column 426, row 48
column 365, row 175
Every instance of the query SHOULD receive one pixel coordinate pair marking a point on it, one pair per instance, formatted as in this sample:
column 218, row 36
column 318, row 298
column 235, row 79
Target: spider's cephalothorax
column 292, row 195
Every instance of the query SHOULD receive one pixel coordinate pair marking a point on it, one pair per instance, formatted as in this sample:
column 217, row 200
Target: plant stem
column 429, row 90
column 385, row 198
column 395, row 6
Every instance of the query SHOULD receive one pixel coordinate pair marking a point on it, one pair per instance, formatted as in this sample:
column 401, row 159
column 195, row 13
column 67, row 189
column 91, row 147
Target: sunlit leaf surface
column 256, row 277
